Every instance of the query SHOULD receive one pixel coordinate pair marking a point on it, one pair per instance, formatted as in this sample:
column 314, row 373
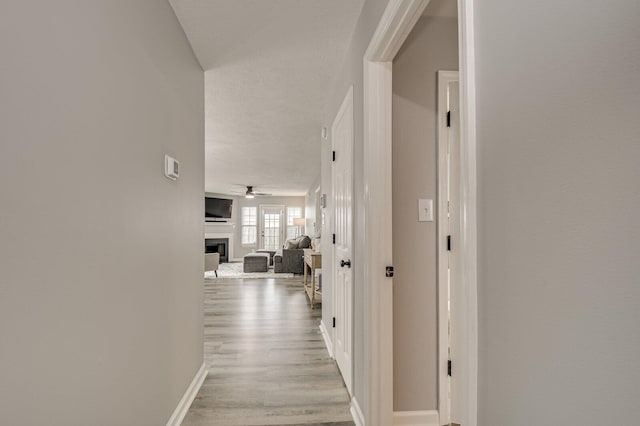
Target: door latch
column 389, row 272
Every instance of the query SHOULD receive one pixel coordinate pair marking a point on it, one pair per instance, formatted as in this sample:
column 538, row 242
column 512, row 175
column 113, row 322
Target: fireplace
column 217, row 245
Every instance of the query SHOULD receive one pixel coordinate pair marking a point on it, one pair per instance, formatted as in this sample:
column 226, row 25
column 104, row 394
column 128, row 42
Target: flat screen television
column 217, row 208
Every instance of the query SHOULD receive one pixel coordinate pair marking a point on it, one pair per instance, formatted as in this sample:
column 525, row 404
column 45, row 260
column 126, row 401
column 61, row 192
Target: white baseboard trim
column 327, row 339
column 416, row 418
column 188, row 397
column 356, row 412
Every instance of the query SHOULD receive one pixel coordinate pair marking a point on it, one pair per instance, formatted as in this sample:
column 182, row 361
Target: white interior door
column 448, row 249
column 271, row 227
column 342, row 185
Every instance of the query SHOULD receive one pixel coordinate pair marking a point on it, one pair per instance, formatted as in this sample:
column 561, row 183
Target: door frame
column 397, row 21
column 444, row 78
column 283, row 223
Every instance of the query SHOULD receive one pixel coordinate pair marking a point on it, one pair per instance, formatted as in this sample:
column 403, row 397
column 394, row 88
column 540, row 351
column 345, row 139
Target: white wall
column 431, row 46
column 559, row 202
column 101, row 255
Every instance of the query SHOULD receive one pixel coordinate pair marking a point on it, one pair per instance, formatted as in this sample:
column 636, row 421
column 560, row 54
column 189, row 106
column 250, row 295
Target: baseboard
column 416, row 418
column 188, row 397
column 356, row 412
column 327, row 339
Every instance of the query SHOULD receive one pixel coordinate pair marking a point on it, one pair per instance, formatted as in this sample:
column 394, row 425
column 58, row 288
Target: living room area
column 259, row 236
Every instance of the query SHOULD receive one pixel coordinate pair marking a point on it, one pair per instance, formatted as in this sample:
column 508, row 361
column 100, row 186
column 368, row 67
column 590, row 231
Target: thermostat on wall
column 171, row 168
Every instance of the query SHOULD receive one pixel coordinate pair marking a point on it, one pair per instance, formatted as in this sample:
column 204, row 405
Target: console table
column 312, row 261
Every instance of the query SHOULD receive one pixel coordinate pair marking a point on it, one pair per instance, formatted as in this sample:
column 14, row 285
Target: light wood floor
column 268, row 362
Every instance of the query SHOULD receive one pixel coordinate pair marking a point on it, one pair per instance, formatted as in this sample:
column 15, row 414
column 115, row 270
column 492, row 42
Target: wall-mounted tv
column 217, row 208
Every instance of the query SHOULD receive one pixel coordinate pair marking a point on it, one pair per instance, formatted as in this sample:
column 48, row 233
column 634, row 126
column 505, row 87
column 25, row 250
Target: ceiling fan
column 250, row 193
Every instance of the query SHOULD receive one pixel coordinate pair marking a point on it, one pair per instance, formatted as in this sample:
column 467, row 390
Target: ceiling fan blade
column 250, row 191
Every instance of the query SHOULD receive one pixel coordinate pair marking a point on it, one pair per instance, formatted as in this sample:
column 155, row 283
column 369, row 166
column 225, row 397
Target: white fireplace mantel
column 221, row 230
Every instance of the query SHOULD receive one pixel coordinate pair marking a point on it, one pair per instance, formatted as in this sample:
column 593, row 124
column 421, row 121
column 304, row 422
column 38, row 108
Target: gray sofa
column 290, row 257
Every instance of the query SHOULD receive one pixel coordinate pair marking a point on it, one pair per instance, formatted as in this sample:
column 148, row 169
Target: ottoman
column 271, row 254
column 256, row 262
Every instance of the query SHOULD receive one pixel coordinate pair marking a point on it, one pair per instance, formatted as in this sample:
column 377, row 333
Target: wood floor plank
column 268, row 364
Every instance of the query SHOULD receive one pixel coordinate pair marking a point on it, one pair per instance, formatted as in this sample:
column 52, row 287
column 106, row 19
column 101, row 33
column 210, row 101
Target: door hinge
column 449, row 366
column 448, row 118
column 333, row 153
column 448, row 242
column 334, row 238
column 334, row 322
column 388, row 272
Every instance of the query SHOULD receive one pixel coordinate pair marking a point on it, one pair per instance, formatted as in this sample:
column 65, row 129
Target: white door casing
column 448, row 243
column 342, row 193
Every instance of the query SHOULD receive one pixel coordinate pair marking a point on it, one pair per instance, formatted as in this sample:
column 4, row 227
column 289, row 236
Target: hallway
column 268, row 364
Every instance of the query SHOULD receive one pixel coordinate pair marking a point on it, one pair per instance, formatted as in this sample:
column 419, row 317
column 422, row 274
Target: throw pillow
column 290, row 244
column 304, row 242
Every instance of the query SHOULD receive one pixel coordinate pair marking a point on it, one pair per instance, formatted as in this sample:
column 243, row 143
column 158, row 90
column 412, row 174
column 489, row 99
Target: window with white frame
column 293, row 230
column 249, row 225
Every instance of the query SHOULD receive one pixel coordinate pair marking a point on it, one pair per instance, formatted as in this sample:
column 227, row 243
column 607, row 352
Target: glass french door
column 271, row 227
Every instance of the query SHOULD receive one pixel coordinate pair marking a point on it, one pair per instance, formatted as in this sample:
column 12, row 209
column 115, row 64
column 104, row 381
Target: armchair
column 211, row 262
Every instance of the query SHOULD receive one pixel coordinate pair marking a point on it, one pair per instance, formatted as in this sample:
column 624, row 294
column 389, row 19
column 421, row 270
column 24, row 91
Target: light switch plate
column 425, row 210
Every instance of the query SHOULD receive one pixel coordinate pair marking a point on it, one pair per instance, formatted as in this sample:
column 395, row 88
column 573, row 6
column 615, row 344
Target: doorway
column 397, row 21
column 432, row 45
column 271, row 227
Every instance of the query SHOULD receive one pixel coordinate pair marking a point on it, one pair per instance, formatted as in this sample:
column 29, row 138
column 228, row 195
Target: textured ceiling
column 269, row 65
